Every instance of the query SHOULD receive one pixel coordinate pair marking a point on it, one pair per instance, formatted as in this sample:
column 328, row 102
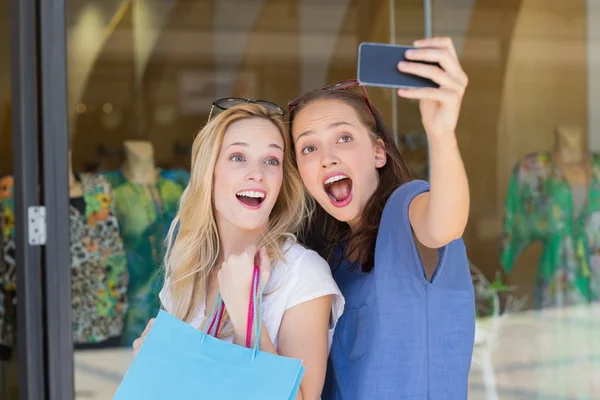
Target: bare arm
column 304, row 334
column 440, row 216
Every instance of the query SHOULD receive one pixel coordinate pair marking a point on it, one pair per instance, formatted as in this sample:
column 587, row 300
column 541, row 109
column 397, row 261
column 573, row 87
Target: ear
column 380, row 154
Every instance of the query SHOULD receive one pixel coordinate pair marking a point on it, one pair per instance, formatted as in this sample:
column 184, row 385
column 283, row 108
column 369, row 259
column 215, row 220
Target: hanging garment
column 541, row 206
column 99, row 276
column 145, row 213
column 7, row 269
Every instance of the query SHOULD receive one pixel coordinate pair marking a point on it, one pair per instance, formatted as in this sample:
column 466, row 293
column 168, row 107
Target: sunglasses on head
column 228, row 102
column 340, row 85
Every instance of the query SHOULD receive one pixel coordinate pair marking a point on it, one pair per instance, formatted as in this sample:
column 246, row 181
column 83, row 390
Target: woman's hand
column 440, row 107
column 137, row 343
column 235, row 280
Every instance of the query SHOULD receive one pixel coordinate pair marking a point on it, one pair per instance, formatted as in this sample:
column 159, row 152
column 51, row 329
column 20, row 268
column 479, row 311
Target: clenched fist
column 235, row 280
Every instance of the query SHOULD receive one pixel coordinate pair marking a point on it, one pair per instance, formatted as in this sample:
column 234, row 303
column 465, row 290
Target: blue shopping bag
column 177, row 361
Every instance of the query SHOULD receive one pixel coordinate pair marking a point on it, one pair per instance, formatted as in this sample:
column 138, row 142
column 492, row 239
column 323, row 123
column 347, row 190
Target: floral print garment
column 145, row 213
column 99, row 276
column 539, row 207
column 7, row 264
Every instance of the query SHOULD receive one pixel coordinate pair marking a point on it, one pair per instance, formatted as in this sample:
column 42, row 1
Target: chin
column 344, row 214
column 250, row 223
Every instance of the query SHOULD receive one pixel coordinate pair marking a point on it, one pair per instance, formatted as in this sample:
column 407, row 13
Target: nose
column 255, row 173
column 329, row 159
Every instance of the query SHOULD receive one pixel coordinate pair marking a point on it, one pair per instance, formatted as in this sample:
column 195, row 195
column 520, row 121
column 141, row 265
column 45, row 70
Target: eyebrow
column 330, row 127
column 272, row 145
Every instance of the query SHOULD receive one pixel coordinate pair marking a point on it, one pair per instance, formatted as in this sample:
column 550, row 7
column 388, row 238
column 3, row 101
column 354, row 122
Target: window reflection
column 141, row 78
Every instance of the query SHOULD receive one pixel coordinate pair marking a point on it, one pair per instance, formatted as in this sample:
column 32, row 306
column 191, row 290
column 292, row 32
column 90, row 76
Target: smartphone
column 378, row 66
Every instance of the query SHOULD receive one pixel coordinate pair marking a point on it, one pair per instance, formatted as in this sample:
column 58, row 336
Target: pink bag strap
column 254, row 312
column 250, row 322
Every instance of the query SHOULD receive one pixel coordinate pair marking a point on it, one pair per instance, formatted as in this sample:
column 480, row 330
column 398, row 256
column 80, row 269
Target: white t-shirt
column 302, row 276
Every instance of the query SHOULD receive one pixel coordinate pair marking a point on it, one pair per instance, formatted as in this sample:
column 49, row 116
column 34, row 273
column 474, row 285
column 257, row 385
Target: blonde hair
column 194, row 251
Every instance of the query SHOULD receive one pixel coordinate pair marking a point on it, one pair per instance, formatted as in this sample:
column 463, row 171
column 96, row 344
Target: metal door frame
column 40, row 148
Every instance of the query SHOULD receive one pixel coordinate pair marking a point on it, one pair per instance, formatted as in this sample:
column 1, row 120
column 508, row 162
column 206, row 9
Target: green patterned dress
column 540, row 207
column 145, row 213
column 99, row 277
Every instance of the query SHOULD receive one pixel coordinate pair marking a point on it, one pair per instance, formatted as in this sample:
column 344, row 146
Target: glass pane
column 142, row 77
column 528, row 136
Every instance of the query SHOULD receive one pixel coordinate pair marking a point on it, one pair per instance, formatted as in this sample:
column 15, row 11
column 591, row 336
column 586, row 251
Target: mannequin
column 139, row 164
column 146, row 201
column 75, row 189
column 554, row 198
column 571, row 155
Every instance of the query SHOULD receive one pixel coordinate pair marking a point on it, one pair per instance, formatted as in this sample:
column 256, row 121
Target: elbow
column 440, row 236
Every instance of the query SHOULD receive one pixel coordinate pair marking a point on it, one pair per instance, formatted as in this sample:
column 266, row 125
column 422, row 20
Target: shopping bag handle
column 255, row 313
column 255, row 303
column 216, row 315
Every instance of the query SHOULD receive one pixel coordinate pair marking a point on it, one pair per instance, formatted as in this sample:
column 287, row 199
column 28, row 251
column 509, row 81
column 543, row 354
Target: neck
column 235, row 240
column 569, row 147
column 571, row 156
column 353, row 225
column 140, row 171
column 139, row 162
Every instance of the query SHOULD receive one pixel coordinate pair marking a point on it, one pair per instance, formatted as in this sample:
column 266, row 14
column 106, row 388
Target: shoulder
column 98, row 182
column 403, row 195
column 305, row 276
column 300, row 262
column 115, row 178
column 533, row 164
column 179, row 176
column 164, row 296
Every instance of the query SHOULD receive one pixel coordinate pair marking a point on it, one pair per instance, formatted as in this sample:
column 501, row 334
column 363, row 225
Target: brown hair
column 325, row 233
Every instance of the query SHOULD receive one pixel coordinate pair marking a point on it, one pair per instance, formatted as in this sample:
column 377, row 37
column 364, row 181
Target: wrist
column 239, row 331
column 443, row 141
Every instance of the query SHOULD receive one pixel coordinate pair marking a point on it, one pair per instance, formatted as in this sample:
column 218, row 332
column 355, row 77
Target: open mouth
column 339, row 189
column 251, row 198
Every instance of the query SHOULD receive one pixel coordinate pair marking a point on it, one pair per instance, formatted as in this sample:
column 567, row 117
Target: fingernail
column 410, row 52
column 402, row 64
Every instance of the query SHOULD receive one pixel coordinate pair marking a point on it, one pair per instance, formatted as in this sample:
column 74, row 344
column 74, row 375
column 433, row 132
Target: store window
column 526, row 141
column 142, row 76
column 528, row 137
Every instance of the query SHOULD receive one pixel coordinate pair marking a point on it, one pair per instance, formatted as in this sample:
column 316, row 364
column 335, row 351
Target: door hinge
column 36, row 221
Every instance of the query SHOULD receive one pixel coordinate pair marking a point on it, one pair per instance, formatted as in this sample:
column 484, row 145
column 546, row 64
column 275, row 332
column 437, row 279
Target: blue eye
column 308, row 149
column 345, row 139
column 272, row 161
column 237, row 158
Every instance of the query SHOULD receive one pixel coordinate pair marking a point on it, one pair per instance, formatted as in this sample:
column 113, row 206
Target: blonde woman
column 244, row 202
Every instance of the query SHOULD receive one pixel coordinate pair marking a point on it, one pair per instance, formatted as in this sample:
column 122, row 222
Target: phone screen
column 378, row 66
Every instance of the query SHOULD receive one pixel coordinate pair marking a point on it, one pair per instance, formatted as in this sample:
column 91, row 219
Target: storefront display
column 99, row 277
column 554, row 197
column 146, row 200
